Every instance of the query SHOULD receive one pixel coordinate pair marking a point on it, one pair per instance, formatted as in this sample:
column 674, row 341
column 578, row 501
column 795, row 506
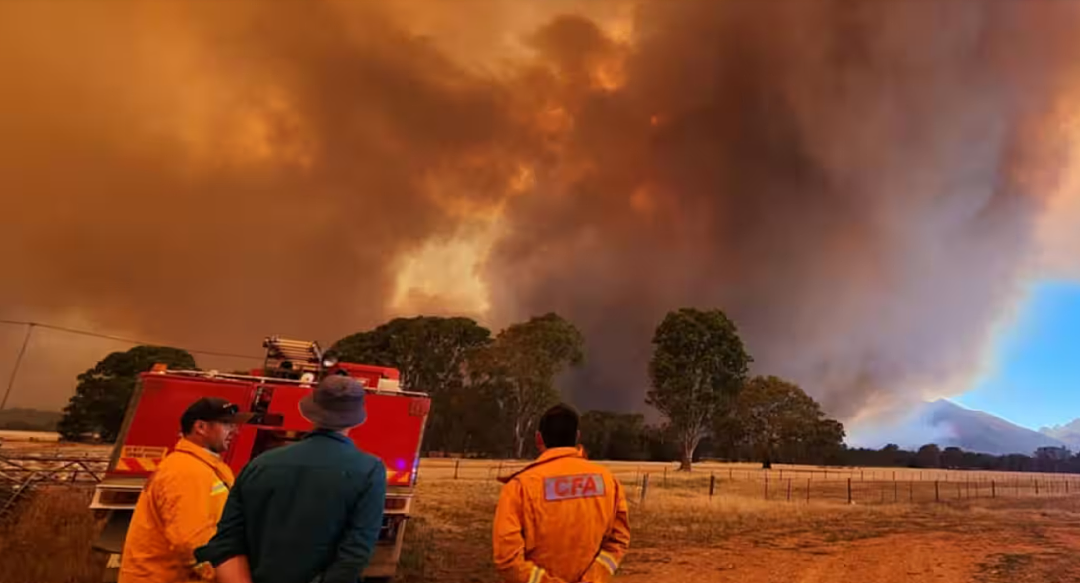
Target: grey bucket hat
column 336, row 403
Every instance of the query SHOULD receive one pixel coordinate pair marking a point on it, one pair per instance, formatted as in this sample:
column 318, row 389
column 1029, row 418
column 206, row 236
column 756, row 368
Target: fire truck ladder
column 292, row 357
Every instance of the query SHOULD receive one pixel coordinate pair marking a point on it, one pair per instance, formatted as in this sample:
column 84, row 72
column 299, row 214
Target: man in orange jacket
column 180, row 506
column 562, row 518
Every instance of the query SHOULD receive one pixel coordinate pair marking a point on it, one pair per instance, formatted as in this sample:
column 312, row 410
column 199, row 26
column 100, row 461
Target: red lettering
column 562, row 487
column 577, row 485
column 590, row 487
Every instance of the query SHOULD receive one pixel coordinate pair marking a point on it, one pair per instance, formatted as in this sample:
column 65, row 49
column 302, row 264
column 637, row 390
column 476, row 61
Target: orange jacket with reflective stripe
column 177, row 512
column 562, row 518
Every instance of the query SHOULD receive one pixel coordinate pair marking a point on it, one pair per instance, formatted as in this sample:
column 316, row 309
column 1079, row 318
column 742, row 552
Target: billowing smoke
column 859, row 185
column 208, row 173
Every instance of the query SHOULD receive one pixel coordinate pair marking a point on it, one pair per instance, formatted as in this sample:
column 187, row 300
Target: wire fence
column 74, row 466
column 60, row 467
column 794, row 483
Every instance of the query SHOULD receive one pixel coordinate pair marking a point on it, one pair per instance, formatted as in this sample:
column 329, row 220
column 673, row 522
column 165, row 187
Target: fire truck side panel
column 392, row 431
column 155, row 426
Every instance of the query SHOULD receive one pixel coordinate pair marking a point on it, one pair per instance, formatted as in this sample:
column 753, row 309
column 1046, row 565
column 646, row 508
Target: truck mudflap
column 111, row 542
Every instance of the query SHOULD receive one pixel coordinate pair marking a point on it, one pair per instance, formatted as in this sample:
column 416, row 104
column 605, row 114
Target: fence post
column 895, row 490
column 712, row 485
column 1066, row 486
column 665, row 476
column 644, row 488
column 457, row 466
column 993, row 489
column 789, row 489
column 862, row 475
column 958, row 490
column 1036, row 487
column 730, row 474
column 849, row 490
column 911, row 492
column 937, row 491
column 766, row 486
column 498, row 473
column 808, row 490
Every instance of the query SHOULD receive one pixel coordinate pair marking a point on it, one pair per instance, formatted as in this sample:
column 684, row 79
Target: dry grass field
column 680, row 533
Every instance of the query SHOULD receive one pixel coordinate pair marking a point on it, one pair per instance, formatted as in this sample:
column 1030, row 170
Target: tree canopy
column 614, row 436
column 431, row 353
column 777, row 421
column 102, row 394
column 698, row 366
column 517, row 371
column 928, row 456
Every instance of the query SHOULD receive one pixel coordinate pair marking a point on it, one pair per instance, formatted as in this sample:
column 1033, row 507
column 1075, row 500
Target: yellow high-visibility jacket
column 561, row 519
column 177, row 512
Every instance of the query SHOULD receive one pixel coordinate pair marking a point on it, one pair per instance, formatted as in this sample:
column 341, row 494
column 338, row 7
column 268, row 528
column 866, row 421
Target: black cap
column 212, row 409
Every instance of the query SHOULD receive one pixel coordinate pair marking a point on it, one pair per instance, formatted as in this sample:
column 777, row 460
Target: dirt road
column 1044, row 549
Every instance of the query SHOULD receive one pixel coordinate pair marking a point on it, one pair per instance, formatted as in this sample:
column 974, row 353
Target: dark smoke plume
column 856, row 183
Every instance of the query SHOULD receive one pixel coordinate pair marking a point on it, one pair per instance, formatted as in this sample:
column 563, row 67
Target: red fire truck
column 393, row 431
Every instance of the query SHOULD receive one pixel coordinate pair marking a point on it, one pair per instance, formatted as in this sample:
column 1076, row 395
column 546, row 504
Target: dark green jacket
column 304, row 510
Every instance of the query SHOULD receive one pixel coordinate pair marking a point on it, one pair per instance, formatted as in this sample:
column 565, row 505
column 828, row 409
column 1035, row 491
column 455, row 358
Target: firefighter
column 179, row 509
column 309, row 511
column 562, row 518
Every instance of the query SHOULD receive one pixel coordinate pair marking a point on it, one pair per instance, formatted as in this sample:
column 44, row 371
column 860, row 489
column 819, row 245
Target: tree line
column 487, row 390
column 932, row 456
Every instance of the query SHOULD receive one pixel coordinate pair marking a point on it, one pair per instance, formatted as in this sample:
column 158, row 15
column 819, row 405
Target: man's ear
column 540, row 442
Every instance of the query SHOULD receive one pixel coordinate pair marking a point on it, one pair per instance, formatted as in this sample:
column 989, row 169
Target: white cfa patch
column 571, row 487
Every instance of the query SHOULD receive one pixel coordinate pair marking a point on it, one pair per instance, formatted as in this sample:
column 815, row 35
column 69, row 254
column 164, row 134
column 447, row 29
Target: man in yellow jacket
column 181, row 504
column 562, row 518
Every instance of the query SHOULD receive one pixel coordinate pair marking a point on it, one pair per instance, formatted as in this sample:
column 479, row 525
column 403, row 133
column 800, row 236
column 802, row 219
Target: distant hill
column 29, row 419
column 982, row 432
column 950, row 425
column 1068, row 433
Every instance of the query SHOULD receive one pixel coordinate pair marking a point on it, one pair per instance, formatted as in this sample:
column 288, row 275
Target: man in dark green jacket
column 310, row 511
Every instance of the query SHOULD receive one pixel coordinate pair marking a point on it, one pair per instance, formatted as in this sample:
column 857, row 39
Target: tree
column 613, row 436
column 431, row 353
column 928, row 456
column 518, row 371
column 1051, row 459
column 952, row 457
column 103, row 392
column 698, row 366
column 778, row 421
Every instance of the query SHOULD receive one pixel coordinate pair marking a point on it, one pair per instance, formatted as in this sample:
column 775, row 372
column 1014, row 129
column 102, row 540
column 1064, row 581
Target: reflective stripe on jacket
column 562, row 518
column 177, row 512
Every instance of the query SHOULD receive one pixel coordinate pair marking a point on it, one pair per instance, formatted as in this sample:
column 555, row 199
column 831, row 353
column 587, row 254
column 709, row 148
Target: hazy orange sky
column 866, row 187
